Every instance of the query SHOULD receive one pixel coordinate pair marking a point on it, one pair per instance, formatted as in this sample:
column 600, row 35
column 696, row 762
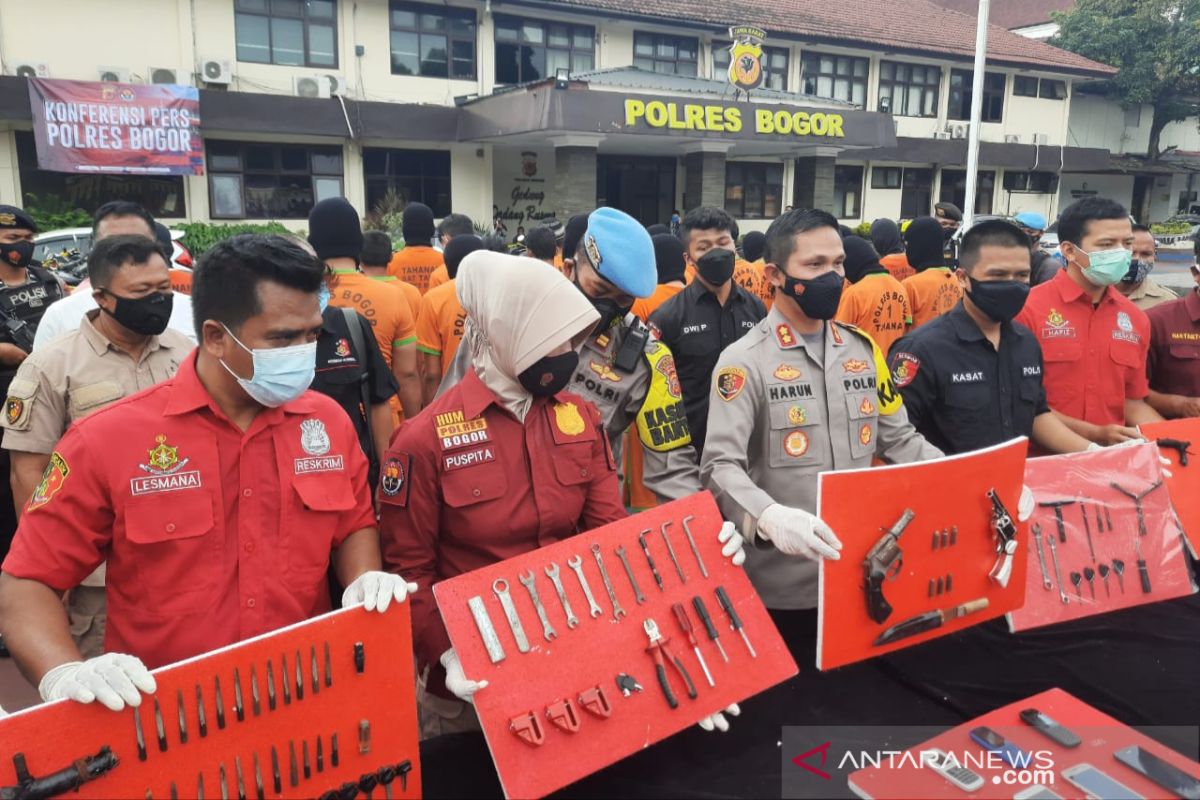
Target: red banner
column 86, row 127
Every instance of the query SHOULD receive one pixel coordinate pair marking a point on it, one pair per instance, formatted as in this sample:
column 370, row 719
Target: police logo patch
column 795, row 444
column 14, row 257
column 784, row 335
column 864, row 434
column 1055, row 319
column 313, row 437
column 855, row 365
column 666, row 367
column 1123, row 322
column 8, row 219
column 905, row 371
column 52, row 480
column 164, row 459
column 797, row 415
column 730, row 382
column 655, row 331
column 568, row 419
column 786, row 372
column 593, row 252
column 14, row 407
column 604, row 371
column 866, row 406
column 394, row 475
column 342, row 349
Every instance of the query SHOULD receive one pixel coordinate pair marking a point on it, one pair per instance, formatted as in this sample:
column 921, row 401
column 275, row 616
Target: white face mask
column 281, row 374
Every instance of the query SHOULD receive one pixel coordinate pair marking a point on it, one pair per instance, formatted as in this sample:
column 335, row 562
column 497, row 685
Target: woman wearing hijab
column 502, row 463
column 885, row 237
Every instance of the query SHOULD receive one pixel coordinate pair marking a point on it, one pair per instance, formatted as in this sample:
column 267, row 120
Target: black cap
column 417, row 224
column 947, row 211
column 12, row 217
column 754, row 245
column 668, row 257
column 861, row 258
column 657, row 228
column 334, row 230
column 458, row 248
column 573, row 234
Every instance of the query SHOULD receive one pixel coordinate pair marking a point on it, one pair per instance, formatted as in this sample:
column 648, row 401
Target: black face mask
column 948, row 234
column 716, row 266
column 17, row 254
column 549, row 375
column 999, row 300
column 145, row 315
column 608, row 309
column 818, row 298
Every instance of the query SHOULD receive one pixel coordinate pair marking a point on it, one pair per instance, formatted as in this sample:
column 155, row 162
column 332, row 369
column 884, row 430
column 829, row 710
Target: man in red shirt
column 1174, row 365
column 216, row 497
column 1094, row 341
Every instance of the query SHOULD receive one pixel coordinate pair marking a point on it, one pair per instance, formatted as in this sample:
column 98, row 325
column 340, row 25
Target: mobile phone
column 993, row 742
column 1037, row 793
column 941, row 763
column 1044, row 724
column 1166, row 775
column 1096, row 785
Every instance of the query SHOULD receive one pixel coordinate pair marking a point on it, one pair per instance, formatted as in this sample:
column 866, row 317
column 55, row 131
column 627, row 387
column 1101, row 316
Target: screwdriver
column 685, row 622
column 702, row 612
column 734, row 621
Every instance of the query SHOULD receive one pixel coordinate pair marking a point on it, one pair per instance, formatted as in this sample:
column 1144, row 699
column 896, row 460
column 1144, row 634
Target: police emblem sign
column 746, row 69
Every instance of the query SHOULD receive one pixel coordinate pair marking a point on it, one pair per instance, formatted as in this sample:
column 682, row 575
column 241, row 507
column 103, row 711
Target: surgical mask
column 1106, row 267
column 17, row 254
column 323, row 298
column 1139, row 270
column 146, row 315
column 281, row 374
column 819, row 297
column 549, row 375
column 999, row 300
column 716, row 266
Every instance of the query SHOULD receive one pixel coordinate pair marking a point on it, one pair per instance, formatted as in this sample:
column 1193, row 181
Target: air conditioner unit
column 336, row 83
column 313, row 86
column 169, row 75
column 941, row 135
column 112, row 75
column 1041, row 138
column 216, row 71
column 1012, row 138
column 31, row 71
column 959, row 132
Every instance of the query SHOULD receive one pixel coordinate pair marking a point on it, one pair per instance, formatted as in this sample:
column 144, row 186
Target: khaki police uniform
column 63, row 381
column 783, row 409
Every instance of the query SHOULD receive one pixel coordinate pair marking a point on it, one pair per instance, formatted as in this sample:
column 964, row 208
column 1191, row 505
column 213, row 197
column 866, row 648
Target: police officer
column 625, row 371
column 504, row 462
column 972, row 378
column 710, row 314
column 219, row 497
column 26, row 289
column 795, row 396
column 1174, row 358
column 1042, row 264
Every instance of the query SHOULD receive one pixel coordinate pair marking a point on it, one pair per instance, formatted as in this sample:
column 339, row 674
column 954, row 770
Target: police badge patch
column 393, row 479
column 746, row 70
column 313, row 437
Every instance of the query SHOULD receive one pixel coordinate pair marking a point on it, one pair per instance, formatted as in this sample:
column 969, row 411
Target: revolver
column 1006, row 543
column 884, row 561
column 1179, row 446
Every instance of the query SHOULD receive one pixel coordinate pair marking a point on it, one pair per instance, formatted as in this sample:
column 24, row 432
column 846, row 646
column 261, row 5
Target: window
column 961, row 92
column 1025, row 86
column 834, row 77
column 528, row 50
column 1035, row 182
column 847, row 191
column 885, row 177
column 916, row 195
column 433, row 41
column 270, row 181
column 908, row 90
column 753, row 190
column 298, row 33
column 1133, row 117
column 1052, row 90
column 774, row 60
column 670, row 55
column 954, row 189
column 421, row 176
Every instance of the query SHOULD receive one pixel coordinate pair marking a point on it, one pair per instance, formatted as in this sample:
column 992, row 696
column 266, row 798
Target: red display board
column 1102, row 558
column 1100, row 737
column 1184, row 483
column 948, row 549
column 288, row 717
column 564, row 693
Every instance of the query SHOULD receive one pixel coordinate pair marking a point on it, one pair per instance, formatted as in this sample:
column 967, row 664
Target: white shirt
column 64, row 316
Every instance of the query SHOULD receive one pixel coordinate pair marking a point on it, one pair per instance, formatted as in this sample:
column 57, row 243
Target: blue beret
column 1032, row 220
column 621, row 251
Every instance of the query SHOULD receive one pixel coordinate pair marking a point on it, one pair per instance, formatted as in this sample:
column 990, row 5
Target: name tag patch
column 967, row 377
column 165, row 483
column 1030, row 372
column 319, row 464
column 468, row 459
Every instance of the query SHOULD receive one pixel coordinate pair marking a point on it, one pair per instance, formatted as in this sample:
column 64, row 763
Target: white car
column 68, row 247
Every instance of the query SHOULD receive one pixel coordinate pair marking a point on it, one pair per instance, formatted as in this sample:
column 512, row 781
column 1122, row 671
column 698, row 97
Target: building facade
column 524, row 110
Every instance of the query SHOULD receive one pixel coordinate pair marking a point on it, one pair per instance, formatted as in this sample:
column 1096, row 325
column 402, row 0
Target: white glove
column 1094, row 446
column 795, row 532
column 718, row 720
column 113, row 678
column 1026, row 504
column 458, row 683
column 376, row 590
column 735, row 544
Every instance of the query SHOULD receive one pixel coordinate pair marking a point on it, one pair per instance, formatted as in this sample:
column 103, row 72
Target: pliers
column 658, row 648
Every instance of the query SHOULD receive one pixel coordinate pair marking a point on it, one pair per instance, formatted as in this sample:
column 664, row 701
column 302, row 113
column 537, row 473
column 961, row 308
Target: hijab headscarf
column 518, row 310
column 885, row 236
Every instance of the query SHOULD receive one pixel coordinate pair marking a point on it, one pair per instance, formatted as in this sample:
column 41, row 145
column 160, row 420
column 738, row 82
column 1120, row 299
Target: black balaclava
column 924, row 242
column 334, row 230
column 885, row 236
column 753, row 245
column 657, row 228
column 668, row 257
column 861, row 259
column 417, row 225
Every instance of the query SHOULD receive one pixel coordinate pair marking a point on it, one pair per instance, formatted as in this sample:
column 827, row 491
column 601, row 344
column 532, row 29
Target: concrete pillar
column 813, row 181
column 704, row 181
column 10, row 172
column 575, row 174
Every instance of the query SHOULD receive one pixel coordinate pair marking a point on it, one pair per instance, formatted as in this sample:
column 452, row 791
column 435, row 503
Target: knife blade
column 928, row 621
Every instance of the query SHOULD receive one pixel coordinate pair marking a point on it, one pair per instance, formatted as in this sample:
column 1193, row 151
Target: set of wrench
column 576, row 563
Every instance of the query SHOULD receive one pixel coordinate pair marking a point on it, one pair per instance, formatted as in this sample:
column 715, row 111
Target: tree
column 1154, row 43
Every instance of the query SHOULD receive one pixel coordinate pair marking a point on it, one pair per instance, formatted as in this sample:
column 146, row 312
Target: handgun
column 1179, row 446
column 884, row 561
column 1006, row 541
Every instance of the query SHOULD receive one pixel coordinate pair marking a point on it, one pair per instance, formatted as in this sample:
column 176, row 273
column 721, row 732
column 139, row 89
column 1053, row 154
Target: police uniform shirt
column 696, row 327
column 340, row 371
column 962, row 393
column 25, row 303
